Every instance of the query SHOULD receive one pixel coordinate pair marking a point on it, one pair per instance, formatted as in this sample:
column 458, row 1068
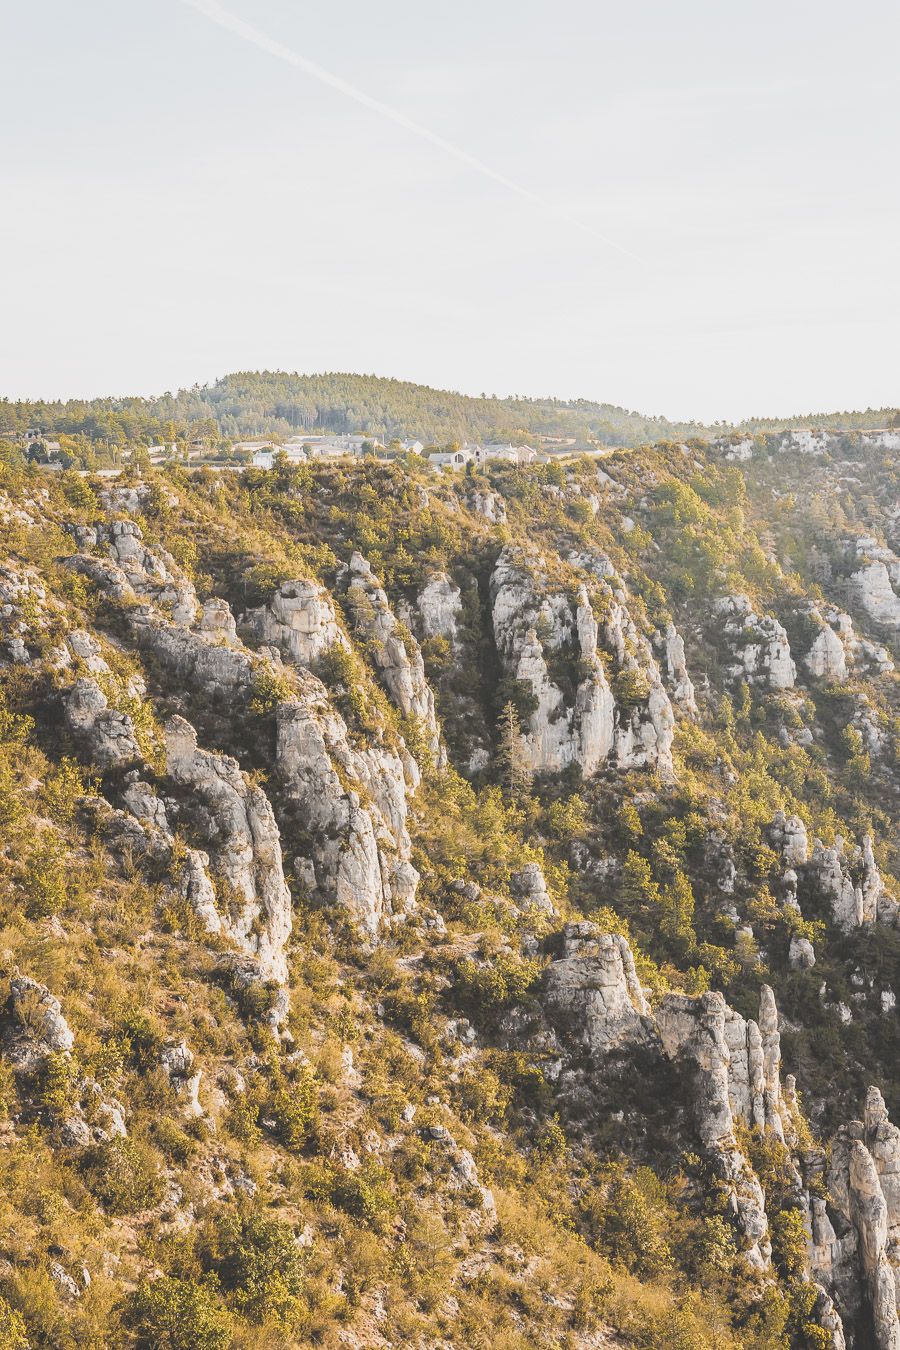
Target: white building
column 452, row 459
column 510, row 454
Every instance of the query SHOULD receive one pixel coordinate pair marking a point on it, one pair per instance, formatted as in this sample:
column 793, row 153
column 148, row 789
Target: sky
column 690, row 209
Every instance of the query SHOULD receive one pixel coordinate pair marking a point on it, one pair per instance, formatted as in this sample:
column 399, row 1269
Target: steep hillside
column 453, row 911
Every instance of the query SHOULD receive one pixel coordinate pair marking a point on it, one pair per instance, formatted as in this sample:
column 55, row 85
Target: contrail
column 217, row 14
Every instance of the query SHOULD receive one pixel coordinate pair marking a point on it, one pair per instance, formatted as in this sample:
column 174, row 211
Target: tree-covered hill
column 275, row 403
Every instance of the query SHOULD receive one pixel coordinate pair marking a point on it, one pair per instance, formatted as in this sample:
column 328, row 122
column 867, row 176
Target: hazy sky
column 178, row 202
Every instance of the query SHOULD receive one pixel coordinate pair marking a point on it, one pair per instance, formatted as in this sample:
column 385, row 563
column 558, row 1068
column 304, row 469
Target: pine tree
column 511, row 756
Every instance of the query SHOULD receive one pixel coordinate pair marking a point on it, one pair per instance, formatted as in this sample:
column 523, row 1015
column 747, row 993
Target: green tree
column 172, row 1314
column 512, row 759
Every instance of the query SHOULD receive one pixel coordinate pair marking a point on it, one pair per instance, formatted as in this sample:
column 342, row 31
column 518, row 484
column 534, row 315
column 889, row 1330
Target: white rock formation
column 107, row 736
column 759, row 645
column 353, row 804
column 177, row 1061
column 32, row 1028
column 788, row 837
column 592, row 991
column 237, row 822
column 676, row 670
column 152, row 574
column 696, row 1033
column 532, row 624
column 439, row 606
column 34, row 1023
column 393, row 649
column 863, row 1263
column 529, row 886
column 876, row 582
column 217, row 622
column 488, row 504
column 851, row 883
column 826, row 658
column 300, row 620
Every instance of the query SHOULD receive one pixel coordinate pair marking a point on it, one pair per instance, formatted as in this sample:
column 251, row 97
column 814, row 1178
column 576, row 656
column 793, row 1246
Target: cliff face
column 333, row 1003
column 533, row 625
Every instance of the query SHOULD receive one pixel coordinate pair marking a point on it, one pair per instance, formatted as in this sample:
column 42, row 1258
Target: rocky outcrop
column 352, row 806
column 439, row 605
column 393, row 649
column 529, row 887
column 700, row 1033
column 177, row 1062
column 237, row 824
column 676, row 670
column 761, row 654
column 32, row 1030
column 195, row 659
column 855, row 1249
column 488, row 504
column 876, row 582
column 299, row 620
column 33, row 1024
column 592, row 992
column 851, row 884
column 754, row 1067
column 788, row 837
column 539, row 630
column 107, row 737
column 150, row 574
column 826, row 658
column 208, row 656
column 349, row 803
column 217, row 622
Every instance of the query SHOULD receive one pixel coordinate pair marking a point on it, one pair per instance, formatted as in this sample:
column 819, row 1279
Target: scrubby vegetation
column 401, row 1161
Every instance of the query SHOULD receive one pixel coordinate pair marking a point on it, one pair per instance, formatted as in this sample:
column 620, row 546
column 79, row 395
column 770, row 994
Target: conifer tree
column 511, row 756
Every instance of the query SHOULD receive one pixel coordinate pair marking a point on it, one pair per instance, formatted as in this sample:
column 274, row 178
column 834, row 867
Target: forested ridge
column 271, row 403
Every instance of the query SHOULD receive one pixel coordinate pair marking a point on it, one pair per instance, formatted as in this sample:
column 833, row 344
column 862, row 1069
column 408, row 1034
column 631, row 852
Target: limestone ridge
column 849, row 881
column 537, row 626
column 731, row 1068
column 394, row 650
column 760, row 648
column 350, row 802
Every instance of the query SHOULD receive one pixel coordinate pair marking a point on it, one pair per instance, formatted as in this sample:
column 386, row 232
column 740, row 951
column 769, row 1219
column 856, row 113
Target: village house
column 455, row 460
column 509, row 454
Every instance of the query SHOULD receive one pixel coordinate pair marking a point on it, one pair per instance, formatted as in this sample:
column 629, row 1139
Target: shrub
column 173, row 1314
column 270, row 688
column 13, row 1333
column 58, row 1091
column 124, row 1175
column 500, row 982
column 258, row 1262
column 295, row 1106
